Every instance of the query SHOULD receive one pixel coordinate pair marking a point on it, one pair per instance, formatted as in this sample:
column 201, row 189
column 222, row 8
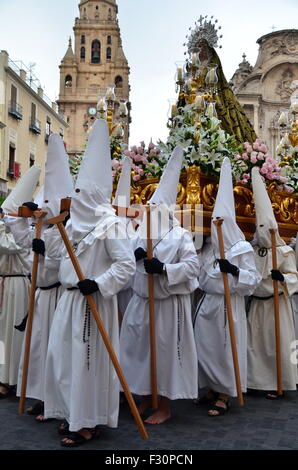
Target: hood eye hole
column 78, row 190
column 46, row 201
column 261, row 225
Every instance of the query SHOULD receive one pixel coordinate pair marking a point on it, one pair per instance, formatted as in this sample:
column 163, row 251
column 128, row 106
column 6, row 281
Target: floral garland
column 257, row 155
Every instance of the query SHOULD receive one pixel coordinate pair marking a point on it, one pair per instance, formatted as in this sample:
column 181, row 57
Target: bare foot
column 159, row 417
column 162, row 414
column 145, row 404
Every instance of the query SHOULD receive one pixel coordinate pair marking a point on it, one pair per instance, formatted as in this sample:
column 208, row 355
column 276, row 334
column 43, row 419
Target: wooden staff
column 218, row 224
column 153, row 359
column 90, row 300
column 276, row 316
column 39, row 215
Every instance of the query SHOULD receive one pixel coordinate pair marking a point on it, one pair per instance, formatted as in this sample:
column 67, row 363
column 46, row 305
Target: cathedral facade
column 269, row 87
column 95, row 62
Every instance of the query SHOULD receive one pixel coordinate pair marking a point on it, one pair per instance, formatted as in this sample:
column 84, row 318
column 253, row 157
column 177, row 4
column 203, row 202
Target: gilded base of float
column 196, row 188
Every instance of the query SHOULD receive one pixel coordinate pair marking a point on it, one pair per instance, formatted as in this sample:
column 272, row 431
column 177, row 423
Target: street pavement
column 260, row 424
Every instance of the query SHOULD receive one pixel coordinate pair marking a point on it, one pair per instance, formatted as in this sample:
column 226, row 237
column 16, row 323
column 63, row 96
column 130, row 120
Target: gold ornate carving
column 197, row 188
column 193, row 188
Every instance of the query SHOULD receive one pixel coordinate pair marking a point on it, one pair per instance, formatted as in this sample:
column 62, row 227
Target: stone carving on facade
column 284, row 86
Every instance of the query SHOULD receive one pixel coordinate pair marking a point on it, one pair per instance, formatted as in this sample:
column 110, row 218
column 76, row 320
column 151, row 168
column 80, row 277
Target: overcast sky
column 153, row 33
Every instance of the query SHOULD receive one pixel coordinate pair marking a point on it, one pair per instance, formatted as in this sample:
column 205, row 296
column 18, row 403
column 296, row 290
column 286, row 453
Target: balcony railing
column 15, row 110
column 35, row 125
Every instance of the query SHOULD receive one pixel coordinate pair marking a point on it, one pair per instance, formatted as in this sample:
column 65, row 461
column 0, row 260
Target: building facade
column 268, row 88
column 96, row 62
column 27, row 118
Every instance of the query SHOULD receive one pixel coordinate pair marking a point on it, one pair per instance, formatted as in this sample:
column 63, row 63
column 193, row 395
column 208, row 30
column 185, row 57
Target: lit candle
column 199, row 103
column 179, row 74
column 211, row 77
column 174, row 110
column 283, row 119
column 210, row 112
column 123, row 108
column 285, row 141
column 101, row 105
column 118, row 131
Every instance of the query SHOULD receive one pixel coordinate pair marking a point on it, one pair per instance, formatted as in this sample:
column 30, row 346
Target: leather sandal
column 205, row 400
column 36, row 409
column 220, row 411
column 77, row 438
column 9, row 388
column 273, row 395
column 63, row 428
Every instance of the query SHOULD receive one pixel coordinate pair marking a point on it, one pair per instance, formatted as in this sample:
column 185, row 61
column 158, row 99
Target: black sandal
column 77, row 438
column 204, row 400
column 36, row 409
column 220, row 411
column 63, row 428
column 274, row 395
column 9, row 388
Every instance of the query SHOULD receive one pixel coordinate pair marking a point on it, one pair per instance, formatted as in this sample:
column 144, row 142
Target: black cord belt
column 53, row 286
column 15, row 275
column 72, row 288
column 265, row 298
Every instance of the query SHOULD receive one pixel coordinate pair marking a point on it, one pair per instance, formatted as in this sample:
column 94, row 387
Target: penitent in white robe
column 176, row 352
column 46, row 301
column 261, row 324
column 81, row 383
column 14, row 261
column 212, row 336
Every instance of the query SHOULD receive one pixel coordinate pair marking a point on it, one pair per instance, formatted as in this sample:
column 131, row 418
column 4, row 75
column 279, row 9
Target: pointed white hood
column 24, row 190
column 91, row 200
column 39, row 197
column 58, row 180
column 265, row 218
column 164, row 198
column 122, row 196
column 225, row 208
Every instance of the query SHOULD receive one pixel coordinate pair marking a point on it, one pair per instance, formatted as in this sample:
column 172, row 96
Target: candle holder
column 293, row 136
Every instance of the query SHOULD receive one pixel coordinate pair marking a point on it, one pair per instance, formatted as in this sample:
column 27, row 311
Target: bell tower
column 95, row 61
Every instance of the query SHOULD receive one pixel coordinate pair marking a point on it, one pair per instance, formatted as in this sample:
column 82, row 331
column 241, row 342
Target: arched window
column 83, row 39
column 109, row 40
column 109, row 53
column 95, row 52
column 83, row 53
column 119, row 81
column 68, row 81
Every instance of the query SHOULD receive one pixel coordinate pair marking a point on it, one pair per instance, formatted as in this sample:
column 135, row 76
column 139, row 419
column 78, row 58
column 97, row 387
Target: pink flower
column 283, row 179
column 289, row 189
column 253, row 157
column 255, row 146
column 141, row 172
column 264, row 171
column 134, row 149
column 246, row 176
column 149, row 174
column 263, row 148
column 136, row 177
column 260, row 156
column 244, row 180
column 245, row 156
column 238, row 157
column 151, row 146
column 143, row 144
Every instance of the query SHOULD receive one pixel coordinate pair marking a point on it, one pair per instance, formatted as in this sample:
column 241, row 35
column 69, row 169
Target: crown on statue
column 204, row 29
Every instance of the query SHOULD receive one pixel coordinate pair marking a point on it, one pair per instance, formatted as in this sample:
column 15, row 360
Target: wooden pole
column 30, row 318
column 153, row 358
column 276, row 316
column 218, row 224
column 90, row 300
